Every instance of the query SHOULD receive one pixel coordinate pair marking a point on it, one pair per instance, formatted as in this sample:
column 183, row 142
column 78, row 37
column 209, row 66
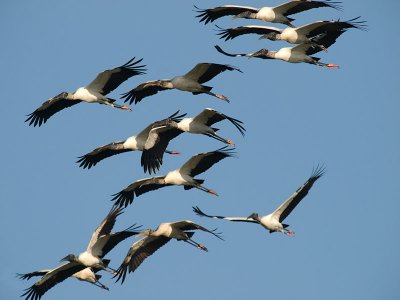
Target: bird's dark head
column 254, row 216
column 146, row 232
column 62, row 95
column 69, row 257
column 262, row 53
column 270, row 36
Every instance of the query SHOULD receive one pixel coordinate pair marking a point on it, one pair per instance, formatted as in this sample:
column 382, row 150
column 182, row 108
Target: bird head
column 69, row 257
column 254, row 216
column 262, row 53
column 146, row 232
column 270, row 36
column 62, row 95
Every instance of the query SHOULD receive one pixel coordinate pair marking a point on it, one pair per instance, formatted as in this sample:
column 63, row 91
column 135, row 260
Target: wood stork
column 197, row 164
column 133, row 143
column 190, row 82
column 87, row 274
column 298, row 54
column 96, row 91
column 160, row 137
column 273, row 221
column 101, row 242
column 297, row 35
column 155, row 239
column 277, row 14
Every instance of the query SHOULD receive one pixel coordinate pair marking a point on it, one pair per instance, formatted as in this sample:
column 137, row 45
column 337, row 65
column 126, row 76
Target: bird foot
column 229, row 142
column 222, row 97
column 125, row 108
column 212, row 192
column 201, row 247
column 332, row 66
column 289, row 232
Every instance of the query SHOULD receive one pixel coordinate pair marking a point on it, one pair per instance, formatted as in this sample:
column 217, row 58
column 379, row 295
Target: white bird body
column 271, row 222
column 86, row 275
column 268, row 14
column 190, row 125
column 133, row 143
column 178, row 177
column 90, row 96
column 89, row 260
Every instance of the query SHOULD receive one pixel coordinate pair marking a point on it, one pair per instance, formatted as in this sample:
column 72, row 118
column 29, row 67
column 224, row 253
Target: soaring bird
column 273, row 221
column 298, row 54
column 197, row 164
column 133, row 143
column 160, row 137
column 277, row 14
column 96, row 91
column 190, row 82
column 297, row 35
column 101, row 242
column 87, row 274
column 155, row 239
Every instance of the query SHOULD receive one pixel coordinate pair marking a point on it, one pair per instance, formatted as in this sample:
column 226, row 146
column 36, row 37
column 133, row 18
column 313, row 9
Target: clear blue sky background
column 347, row 242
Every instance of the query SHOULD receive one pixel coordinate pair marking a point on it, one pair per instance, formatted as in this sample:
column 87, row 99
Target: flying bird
column 273, row 221
column 298, row 54
column 197, row 164
column 277, row 14
column 87, row 274
column 297, row 35
column 160, row 137
column 155, row 239
column 101, row 242
column 190, row 82
column 133, row 143
column 95, row 92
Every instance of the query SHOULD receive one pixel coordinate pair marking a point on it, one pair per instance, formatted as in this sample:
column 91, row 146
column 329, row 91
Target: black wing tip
column 35, row 119
column 227, row 151
column 217, row 234
column 132, row 66
column 84, row 162
column 318, row 171
column 358, row 24
column 122, row 199
column 198, row 211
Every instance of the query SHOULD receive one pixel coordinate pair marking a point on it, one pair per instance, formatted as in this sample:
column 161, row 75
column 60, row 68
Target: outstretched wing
column 199, row 212
column 109, row 80
column 50, row 279
column 138, row 252
column 202, row 162
column 212, row 14
column 49, row 108
column 286, row 207
column 126, row 196
column 104, row 227
column 296, row 6
column 204, row 72
column 231, row 33
column 142, row 91
column 92, row 158
column 210, row 116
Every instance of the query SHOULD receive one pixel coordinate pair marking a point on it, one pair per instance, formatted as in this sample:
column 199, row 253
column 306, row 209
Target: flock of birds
column 154, row 139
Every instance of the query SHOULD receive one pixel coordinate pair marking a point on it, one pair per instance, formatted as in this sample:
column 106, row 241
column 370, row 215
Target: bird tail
column 215, row 129
column 111, row 100
column 316, row 58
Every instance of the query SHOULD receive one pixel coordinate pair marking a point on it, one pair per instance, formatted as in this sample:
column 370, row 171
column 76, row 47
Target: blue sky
column 297, row 116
